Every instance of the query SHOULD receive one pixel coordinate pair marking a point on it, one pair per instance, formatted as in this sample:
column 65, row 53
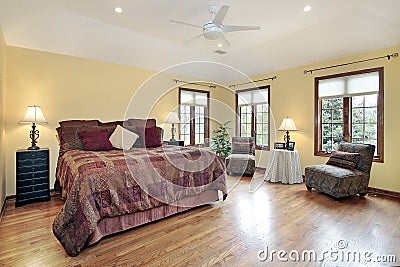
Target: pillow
column 140, row 131
column 144, row 123
column 69, row 138
column 79, row 123
column 111, row 124
column 122, row 138
column 152, row 138
column 345, row 160
column 96, row 140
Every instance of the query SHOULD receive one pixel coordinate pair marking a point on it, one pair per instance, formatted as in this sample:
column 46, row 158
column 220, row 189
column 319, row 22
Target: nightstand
column 175, row 143
column 32, row 173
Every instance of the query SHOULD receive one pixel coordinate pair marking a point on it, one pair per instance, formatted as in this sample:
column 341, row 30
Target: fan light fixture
column 215, row 28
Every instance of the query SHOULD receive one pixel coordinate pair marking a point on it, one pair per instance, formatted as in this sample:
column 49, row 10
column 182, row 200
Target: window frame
column 253, row 116
column 192, row 116
column 347, row 117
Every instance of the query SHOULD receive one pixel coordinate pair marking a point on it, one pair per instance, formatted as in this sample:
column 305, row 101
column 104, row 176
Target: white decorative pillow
column 122, row 138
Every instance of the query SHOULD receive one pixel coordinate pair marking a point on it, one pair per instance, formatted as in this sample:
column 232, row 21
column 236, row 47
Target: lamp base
column 33, row 148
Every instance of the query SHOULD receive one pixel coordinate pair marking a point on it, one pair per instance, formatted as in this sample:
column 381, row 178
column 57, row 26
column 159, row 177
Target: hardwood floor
column 230, row 233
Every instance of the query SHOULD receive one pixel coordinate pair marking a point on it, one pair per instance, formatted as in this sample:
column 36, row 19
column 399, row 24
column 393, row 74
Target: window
column 194, row 116
column 349, row 107
column 253, row 115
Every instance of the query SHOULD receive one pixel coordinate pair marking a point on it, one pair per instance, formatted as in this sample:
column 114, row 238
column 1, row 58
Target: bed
column 106, row 192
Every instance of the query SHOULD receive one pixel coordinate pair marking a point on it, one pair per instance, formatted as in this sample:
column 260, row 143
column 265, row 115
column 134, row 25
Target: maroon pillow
column 96, row 140
column 143, row 123
column 69, row 138
column 152, row 138
column 345, row 160
column 79, row 123
column 111, row 124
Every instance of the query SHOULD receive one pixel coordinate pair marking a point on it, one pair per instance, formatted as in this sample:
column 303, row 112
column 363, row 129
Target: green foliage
column 363, row 126
column 220, row 142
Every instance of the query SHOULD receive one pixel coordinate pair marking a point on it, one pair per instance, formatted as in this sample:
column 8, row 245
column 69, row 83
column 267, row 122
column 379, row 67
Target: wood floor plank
column 229, row 233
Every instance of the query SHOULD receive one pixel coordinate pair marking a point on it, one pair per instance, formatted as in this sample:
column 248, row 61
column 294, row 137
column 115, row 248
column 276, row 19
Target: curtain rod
column 354, row 62
column 200, row 84
column 266, row 79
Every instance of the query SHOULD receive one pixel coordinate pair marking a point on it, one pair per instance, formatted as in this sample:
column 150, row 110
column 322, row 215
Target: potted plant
column 220, row 142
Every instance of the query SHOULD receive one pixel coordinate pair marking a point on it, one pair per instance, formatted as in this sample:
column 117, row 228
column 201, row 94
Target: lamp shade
column 173, row 118
column 287, row 125
column 34, row 114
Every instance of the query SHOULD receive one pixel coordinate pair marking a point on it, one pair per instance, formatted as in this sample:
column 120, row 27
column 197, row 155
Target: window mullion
column 347, row 119
column 192, row 125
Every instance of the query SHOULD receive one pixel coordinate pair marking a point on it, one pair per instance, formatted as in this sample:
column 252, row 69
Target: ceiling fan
column 214, row 29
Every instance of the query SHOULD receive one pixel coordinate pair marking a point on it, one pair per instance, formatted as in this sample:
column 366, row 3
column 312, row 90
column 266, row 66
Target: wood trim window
column 253, row 115
column 349, row 107
column 194, row 116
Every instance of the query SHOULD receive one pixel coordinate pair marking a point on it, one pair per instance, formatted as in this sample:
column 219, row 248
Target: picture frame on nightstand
column 278, row 145
column 291, row 146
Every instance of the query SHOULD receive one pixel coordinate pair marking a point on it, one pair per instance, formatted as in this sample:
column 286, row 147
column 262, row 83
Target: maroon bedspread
column 100, row 184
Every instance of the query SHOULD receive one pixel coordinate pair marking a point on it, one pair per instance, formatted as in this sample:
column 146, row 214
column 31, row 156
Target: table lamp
column 33, row 115
column 287, row 125
column 173, row 119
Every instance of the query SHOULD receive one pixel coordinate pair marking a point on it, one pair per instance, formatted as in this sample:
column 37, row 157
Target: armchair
column 341, row 182
column 242, row 161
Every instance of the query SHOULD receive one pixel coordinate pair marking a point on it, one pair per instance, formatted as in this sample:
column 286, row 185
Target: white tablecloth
column 284, row 166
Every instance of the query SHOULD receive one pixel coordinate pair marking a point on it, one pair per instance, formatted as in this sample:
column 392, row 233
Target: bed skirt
column 109, row 226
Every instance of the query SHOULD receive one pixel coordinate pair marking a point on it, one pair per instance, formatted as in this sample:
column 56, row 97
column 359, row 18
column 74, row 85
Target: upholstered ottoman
column 240, row 164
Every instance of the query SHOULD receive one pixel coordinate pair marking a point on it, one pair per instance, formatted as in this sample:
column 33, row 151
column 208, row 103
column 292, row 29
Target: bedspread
column 100, row 184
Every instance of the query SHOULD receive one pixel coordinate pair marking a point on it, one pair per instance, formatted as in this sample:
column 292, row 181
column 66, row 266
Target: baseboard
column 383, row 192
column 4, row 206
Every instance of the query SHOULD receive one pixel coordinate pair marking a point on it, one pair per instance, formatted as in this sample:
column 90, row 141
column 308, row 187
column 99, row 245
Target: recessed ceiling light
column 307, row 8
column 118, row 9
column 219, row 45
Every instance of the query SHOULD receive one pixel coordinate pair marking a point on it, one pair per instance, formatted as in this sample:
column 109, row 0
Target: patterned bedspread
column 100, row 184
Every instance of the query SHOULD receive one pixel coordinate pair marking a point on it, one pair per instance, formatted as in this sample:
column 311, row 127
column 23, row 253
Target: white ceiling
column 142, row 35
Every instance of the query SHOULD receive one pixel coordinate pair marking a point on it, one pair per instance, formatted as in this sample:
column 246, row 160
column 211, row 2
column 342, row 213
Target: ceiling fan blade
column 225, row 40
column 220, row 15
column 230, row 28
column 185, row 23
column 193, row 38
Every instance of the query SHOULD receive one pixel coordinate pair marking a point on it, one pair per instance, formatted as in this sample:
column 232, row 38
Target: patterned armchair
column 341, row 182
column 242, row 161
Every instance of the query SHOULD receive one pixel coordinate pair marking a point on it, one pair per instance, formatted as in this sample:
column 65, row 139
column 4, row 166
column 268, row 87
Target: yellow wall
column 74, row 88
column 292, row 94
column 2, row 118
column 66, row 88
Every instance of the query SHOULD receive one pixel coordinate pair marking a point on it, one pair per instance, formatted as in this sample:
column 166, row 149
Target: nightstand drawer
column 32, row 162
column 32, row 168
column 32, row 154
column 32, row 175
